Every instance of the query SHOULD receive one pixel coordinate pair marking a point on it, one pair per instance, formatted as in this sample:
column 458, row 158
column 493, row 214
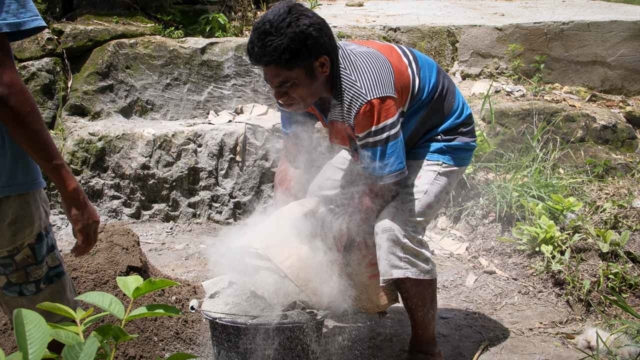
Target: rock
column 602, row 126
column 173, row 170
column 77, row 38
column 636, row 203
column 36, row 47
column 632, row 116
column 516, row 91
column 47, row 83
column 516, row 114
column 481, row 87
column 471, row 279
column 355, row 3
column 599, row 55
column 609, row 128
column 162, row 79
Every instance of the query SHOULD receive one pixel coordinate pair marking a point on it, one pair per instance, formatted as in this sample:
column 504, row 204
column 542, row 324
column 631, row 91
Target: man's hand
column 84, row 220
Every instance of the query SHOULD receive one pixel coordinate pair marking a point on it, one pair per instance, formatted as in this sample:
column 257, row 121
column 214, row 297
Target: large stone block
column 162, row 79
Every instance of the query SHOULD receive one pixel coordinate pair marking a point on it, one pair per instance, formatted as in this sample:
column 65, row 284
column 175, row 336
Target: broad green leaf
column 2, row 356
column 151, row 285
column 49, row 355
column 16, row 356
column 64, row 336
column 181, row 356
column 104, row 301
column 153, row 310
column 104, row 343
column 64, row 326
column 129, row 283
column 58, row 309
column 32, row 333
column 93, row 319
column 114, row 332
column 81, row 314
column 81, row 351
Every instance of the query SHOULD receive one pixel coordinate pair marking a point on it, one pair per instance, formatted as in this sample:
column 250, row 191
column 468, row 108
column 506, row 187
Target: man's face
column 296, row 90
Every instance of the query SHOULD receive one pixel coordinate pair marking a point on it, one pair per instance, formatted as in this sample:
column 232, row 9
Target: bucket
column 282, row 338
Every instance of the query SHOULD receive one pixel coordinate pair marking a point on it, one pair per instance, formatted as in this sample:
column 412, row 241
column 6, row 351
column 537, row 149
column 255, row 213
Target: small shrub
column 32, row 333
column 214, row 25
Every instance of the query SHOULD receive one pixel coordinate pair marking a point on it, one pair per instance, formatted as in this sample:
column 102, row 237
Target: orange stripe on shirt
column 400, row 68
column 374, row 113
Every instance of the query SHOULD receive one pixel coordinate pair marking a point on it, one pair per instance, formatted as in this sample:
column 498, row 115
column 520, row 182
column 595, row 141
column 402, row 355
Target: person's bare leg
column 420, row 299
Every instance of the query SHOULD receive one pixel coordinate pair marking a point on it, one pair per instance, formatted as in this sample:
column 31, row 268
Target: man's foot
column 420, row 300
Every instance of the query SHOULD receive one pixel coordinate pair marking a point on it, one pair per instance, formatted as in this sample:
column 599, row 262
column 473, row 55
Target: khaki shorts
column 398, row 229
column 31, row 268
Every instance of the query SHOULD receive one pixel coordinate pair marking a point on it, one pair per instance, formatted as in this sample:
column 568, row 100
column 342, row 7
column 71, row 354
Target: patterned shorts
column 398, row 230
column 31, row 267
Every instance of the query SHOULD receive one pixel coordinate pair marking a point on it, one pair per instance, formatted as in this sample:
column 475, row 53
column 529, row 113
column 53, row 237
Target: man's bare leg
column 421, row 302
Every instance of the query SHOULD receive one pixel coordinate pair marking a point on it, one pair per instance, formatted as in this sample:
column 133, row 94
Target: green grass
column 630, row 2
column 574, row 216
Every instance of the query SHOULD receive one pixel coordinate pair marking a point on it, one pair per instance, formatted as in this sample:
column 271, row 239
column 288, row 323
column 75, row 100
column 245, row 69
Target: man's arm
column 20, row 115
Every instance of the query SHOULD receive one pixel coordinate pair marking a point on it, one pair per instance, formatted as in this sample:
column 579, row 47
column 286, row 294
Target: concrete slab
column 472, row 12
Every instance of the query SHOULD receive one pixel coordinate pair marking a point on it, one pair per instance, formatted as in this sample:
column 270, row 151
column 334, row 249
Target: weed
column 609, row 241
column 598, row 169
column 264, row 5
column 314, row 4
column 172, row 33
column 214, row 25
column 526, row 174
column 341, row 35
column 513, row 53
column 487, row 101
column 617, row 278
column 538, row 78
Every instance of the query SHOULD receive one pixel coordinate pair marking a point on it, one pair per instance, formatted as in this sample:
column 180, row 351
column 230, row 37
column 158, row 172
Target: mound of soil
column 118, row 253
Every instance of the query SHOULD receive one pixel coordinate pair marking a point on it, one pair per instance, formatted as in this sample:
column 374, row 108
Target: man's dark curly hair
column 291, row 36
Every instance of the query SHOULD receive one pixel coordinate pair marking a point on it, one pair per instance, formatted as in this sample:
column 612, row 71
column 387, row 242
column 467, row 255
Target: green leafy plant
column 608, row 240
column 214, row 25
column 617, row 278
column 314, row 4
column 560, row 207
column 514, row 58
column 172, row 33
column 599, row 169
column 33, row 334
column 538, row 76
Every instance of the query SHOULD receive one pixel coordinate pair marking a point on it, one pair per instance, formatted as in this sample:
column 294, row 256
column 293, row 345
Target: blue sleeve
column 19, row 19
column 386, row 161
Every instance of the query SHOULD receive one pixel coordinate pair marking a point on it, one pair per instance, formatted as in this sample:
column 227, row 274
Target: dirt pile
column 118, row 254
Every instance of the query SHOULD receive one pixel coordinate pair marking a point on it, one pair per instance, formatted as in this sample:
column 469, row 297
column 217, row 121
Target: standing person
column 31, row 268
column 407, row 132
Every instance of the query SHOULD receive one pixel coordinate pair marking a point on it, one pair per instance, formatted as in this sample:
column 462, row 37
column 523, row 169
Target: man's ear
column 323, row 66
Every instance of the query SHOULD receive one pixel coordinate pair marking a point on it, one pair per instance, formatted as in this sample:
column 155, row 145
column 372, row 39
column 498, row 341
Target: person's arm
column 20, row 115
column 381, row 150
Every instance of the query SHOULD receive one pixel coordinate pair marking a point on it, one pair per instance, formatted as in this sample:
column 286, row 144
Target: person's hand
column 84, row 220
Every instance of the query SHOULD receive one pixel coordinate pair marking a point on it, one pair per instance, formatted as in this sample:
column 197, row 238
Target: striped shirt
column 393, row 104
